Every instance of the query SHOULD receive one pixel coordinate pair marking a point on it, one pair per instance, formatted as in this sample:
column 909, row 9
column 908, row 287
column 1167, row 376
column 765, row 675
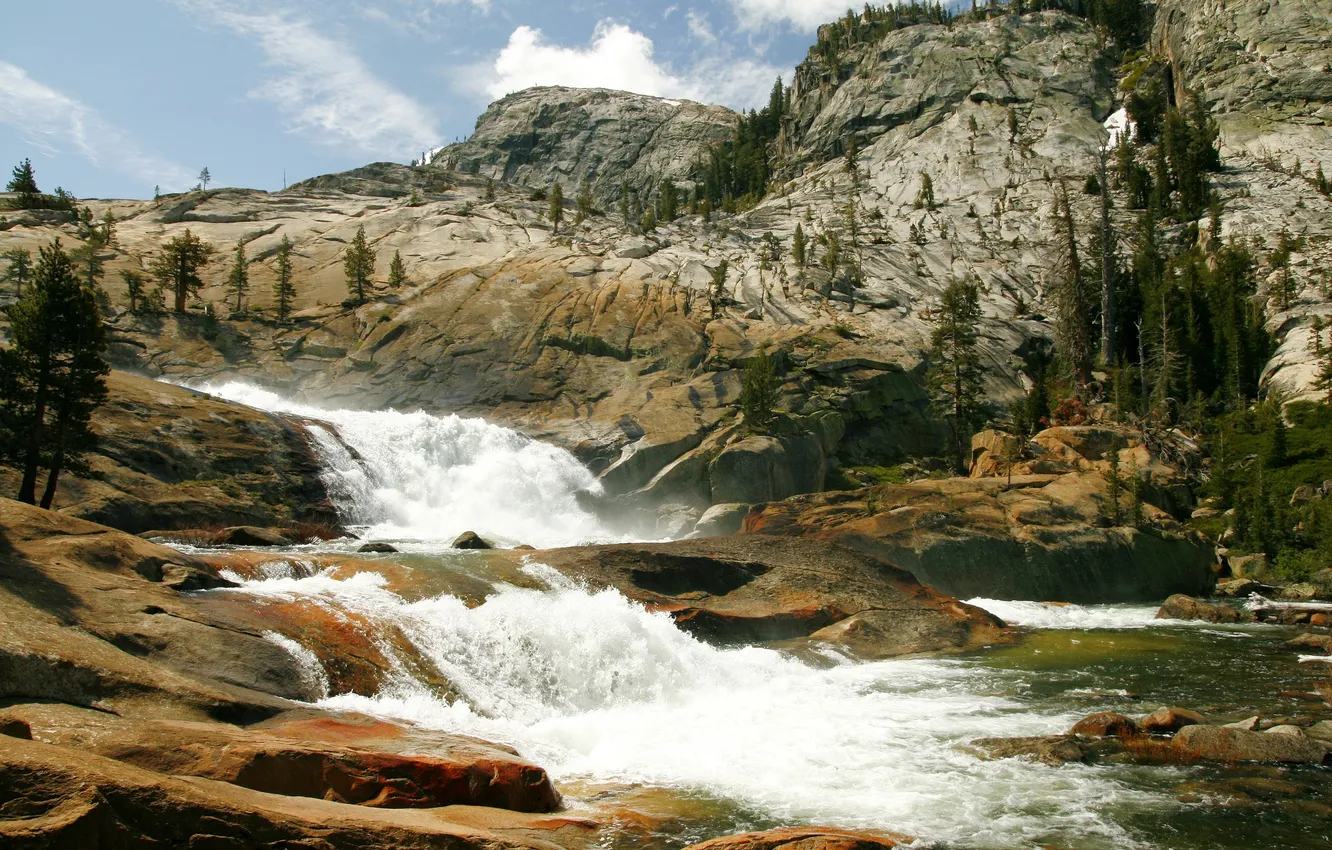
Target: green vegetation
column 759, row 393
column 397, row 271
column 556, row 207
column 51, row 376
column 177, row 265
column 358, row 266
column 18, row 268
column 23, row 183
column 238, row 279
column 284, row 289
column 955, row 376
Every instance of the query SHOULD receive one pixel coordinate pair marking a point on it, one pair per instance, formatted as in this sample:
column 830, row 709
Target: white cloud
column 699, row 27
column 620, row 58
column 325, row 89
column 802, row 14
column 56, row 123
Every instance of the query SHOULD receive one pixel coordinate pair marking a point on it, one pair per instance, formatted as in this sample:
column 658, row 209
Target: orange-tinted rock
column 1168, row 720
column 804, row 838
column 1106, row 724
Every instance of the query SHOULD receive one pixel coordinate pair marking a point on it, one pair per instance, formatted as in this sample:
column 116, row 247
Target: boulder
column 1298, row 592
column 1240, row 588
column 1106, row 724
column 382, row 548
column 1321, row 731
column 1168, row 720
column 675, row 521
column 1181, row 607
column 804, row 838
column 1311, row 641
column 471, row 540
column 1249, row 566
column 721, row 520
column 1248, row 724
column 1224, row 744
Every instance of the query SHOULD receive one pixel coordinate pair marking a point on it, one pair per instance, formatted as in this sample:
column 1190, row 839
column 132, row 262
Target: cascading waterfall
column 415, row 476
column 593, row 686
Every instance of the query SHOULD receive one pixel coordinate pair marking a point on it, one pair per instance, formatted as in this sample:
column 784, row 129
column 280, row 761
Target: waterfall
column 595, row 687
column 420, row 477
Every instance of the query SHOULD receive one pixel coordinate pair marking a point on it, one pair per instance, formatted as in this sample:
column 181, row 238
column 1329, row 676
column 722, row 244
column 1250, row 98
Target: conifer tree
column 18, row 268
column 668, row 201
column 397, row 271
column 1114, row 483
column 24, row 184
column 717, row 293
column 1072, row 306
column 238, row 279
column 624, row 204
column 925, row 198
column 284, row 289
column 583, row 202
column 177, row 266
column 648, row 222
column 758, row 393
column 358, row 265
column 556, row 207
column 134, row 288
column 108, row 234
column 955, row 377
column 798, row 246
column 52, row 375
column 490, row 188
column 1107, row 251
column 205, row 177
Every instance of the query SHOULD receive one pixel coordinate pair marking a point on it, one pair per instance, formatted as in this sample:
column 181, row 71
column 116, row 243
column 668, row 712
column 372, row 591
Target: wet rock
column 1051, row 750
column 1248, row 724
column 1321, row 731
column 1249, row 566
column 1226, row 744
column 1299, row 592
column 1106, row 724
column 1311, row 641
column 1181, row 607
column 1168, row 720
column 471, row 540
column 720, row 520
column 378, row 548
column 675, row 521
column 249, row 535
column 1240, row 588
column 804, row 838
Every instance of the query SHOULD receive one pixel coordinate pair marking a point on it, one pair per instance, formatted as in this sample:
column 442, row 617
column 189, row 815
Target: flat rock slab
column 751, row 588
column 804, row 838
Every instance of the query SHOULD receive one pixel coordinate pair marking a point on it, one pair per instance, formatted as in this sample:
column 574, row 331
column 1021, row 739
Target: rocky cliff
column 605, row 339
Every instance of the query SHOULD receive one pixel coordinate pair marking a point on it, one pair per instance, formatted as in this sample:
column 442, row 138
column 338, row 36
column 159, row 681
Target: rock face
column 1040, row 536
column 545, row 135
column 751, row 588
column 172, row 458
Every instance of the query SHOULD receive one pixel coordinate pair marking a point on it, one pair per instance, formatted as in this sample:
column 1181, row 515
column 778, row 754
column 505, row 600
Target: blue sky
column 110, row 99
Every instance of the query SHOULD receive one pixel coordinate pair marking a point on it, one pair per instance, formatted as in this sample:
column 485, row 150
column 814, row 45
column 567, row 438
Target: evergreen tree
column 52, row 374
column 238, row 279
column 490, row 188
column 134, row 288
column 24, row 184
column 798, row 246
column 284, row 290
column 648, row 222
column 108, row 234
column 717, row 293
column 556, row 207
column 625, row 220
column 358, row 265
column 1072, row 304
column 852, row 157
column 205, row 177
column 397, row 271
column 925, row 198
column 1278, row 445
column 18, row 268
column 1135, row 493
column 1114, row 483
column 668, row 202
column 955, row 377
column 759, row 390
column 583, row 202
column 177, row 266
column 1107, row 252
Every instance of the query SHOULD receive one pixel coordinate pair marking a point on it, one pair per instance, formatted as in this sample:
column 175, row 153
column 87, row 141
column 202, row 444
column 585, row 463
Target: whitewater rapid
column 420, row 477
column 594, row 687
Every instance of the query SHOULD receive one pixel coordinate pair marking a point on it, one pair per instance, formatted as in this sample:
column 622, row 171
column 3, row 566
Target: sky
column 113, row 99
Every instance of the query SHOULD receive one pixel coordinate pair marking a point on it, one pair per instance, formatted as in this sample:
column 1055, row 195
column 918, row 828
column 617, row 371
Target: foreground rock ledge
column 752, row 588
column 804, row 838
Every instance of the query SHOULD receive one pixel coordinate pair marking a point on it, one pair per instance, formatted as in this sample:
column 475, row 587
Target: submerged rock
column 249, row 535
column 1181, row 607
column 1106, row 724
column 1168, row 720
column 378, row 548
column 1223, row 743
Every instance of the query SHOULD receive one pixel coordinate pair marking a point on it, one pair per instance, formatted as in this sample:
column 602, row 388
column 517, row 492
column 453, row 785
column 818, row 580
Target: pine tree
column 52, row 375
column 668, row 201
column 625, row 220
column 925, row 198
column 1278, row 445
column 134, row 288
column 852, row 157
column 284, row 290
column 648, row 222
column 556, row 207
column 205, row 177
column 583, row 202
column 177, row 266
column 1107, row 251
column 238, row 279
column 1114, row 483
column 108, row 234
column 1135, row 493
column 18, row 268
column 24, row 184
column 1072, row 306
column 717, row 293
column 397, row 271
column 490, row 188
column 955, row 377
column 358, row 265
column 798, row 246
column 758, row 393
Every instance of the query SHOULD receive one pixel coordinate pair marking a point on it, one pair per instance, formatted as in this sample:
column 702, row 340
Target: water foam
column 591, row 685
column 415, row 476
column 1051, row 615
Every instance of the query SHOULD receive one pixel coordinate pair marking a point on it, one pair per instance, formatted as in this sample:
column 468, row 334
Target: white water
column 1049, row 615
column 590, row 685
column 418, row 477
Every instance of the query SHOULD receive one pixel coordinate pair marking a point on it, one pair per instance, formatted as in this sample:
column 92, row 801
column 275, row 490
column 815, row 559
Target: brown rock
column 1181, row 607
column 1106, row 724
column 378, row 548
column 1311, row 641
column 1221, row 743
column 1168, row 720
column 471, row 540
column 249, row 535
column 804, row 838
